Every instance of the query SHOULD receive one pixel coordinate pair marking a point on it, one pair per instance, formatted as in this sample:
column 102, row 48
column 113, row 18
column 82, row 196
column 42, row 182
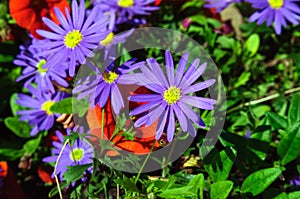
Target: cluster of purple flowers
column 51, row 63
column 277, row 12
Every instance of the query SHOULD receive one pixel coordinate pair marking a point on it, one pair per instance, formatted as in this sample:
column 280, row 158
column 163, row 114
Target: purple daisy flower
column 112, row 40
column 34, row 71
column 75, row 39
column 277, row 11
column 219, row 4
column 172, row 96
column 39, row 114
column 80, row 153
column 103, row 86
column 126, row 9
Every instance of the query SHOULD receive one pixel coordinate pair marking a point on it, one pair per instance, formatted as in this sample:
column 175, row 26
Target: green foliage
column 258, row 181
column 221, row 189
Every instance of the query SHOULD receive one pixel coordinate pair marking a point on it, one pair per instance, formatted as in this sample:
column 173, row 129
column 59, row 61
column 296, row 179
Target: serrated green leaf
column 19, row 128
column 64, row 106
column 74, row 173
column 252, row 44
column 288, row 148
column 127, row 184
column 277, row 121
column 294, row 113
column 294, row 195
column 219, row 167
column 258, row 181
column 220, row 189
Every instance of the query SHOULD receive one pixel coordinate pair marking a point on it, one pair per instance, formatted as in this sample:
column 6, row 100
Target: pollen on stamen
column 172, row 95
column 276, row 4
column 126, row 3
column 46, row 106
column 76, row 154
column 73, row 38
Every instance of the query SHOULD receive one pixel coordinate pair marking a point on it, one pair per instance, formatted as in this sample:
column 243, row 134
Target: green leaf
column 31, row 145
column 220, row 165
column 75, row 172
column 19, row 128
column 242, row 80
column 9, row 154
column 13, row 105
column 258, row 181
column 288, row 148
column 198, row 182
column 80, row 106
column 178, row 193
column 277, row 121
column 294, row 195
column 294, row 113
column 128, row 184
column 54, row 191
column 283, row 195
column 252, row 44
column 64, row 106
column 220, row 189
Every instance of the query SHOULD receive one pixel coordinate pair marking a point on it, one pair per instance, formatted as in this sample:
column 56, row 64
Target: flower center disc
column 108, row 39
column 110, row 77
column 172, row 95
column 73, row 38
column 40, row 66
column 77, row 154
column 125, row 3
column 46, row 107
column 276, row 4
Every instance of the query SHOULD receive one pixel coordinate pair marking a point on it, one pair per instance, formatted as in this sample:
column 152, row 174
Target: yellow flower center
column 108, row 39
column 276, row 4
column 73, row 38
column 40, row 66
column 126, row 3
column 46, row 107
column 110, row 77
column 77, row 154
column 172, row 95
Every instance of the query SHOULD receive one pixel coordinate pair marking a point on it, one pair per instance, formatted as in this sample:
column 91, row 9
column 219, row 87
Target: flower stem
column 55, row 167
column 144, row 163
column 258, row 101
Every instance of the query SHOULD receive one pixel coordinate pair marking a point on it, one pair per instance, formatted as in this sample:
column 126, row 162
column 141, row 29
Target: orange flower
column 3, row 169
column 141, row 144
column 28, row 13
column 44, row 173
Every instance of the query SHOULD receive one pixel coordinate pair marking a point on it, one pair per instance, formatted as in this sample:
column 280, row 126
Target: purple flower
column 277, row 11
column 39, row 114
column 172, row 96
column 35, row 72
column 219, row 4
column 124, row 10
column 75, row 39
column 295, row 181
column 104, row 85
column 80, row 153
column 112, row 40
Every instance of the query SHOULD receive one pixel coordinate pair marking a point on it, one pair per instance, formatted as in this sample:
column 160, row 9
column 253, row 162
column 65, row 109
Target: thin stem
column 144, row 163
column 258, row 101
column 55, row 167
